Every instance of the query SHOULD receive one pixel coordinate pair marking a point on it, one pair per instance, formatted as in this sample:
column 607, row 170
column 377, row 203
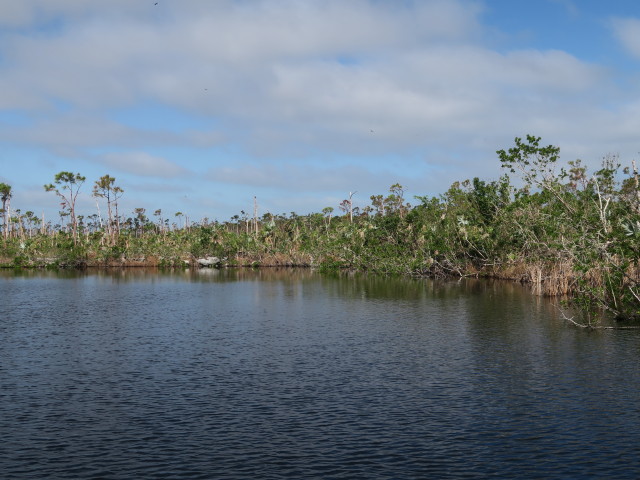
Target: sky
column 198, row 106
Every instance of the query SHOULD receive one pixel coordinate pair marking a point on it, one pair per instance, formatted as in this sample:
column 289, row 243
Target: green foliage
column 567, row 233
column 535, row 163
column 67, row 187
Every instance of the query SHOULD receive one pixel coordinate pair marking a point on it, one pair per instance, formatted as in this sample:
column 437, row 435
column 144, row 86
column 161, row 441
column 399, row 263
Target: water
column 290, row 374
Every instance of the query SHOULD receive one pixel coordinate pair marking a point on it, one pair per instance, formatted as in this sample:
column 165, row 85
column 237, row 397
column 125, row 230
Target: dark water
column 273, row 374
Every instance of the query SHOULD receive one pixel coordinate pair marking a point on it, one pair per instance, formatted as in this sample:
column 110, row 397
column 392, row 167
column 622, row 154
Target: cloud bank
column 270, row 89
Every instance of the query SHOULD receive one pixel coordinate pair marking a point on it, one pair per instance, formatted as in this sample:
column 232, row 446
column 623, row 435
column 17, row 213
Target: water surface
column 290, row 374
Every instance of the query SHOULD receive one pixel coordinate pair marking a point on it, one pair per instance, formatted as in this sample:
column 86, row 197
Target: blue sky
column 197, row 106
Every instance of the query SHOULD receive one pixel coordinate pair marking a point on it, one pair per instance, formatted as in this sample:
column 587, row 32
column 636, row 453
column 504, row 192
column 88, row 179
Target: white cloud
column 56, row 13
column 69, row 130
column 627, row 32
column 262, row 30
column 293, row 177
column 435, row 94
column 273, row 70
column 75, row 134
column 289, row 79
column 16, row 14
column 97, row 58
column 143, row 164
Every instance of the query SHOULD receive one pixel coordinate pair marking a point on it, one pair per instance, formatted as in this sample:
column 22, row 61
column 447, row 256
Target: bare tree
column 5, row 197
column 347, row 206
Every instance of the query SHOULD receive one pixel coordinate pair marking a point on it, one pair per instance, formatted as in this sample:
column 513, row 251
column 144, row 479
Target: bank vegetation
column 564, row 230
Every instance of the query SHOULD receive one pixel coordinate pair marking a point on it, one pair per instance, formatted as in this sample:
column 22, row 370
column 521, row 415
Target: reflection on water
column 282, row 373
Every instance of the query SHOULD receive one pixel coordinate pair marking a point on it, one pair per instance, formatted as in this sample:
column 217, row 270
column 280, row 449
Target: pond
column 271, row 373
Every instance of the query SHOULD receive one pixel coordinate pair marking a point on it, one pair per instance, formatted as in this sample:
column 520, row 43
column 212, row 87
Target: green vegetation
column 566, row 232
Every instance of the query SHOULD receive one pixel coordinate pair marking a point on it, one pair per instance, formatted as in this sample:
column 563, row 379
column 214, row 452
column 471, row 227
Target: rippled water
column 289, row 374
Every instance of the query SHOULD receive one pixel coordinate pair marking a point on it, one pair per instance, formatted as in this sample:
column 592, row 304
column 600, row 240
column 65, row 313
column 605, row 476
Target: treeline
column 564, row 230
